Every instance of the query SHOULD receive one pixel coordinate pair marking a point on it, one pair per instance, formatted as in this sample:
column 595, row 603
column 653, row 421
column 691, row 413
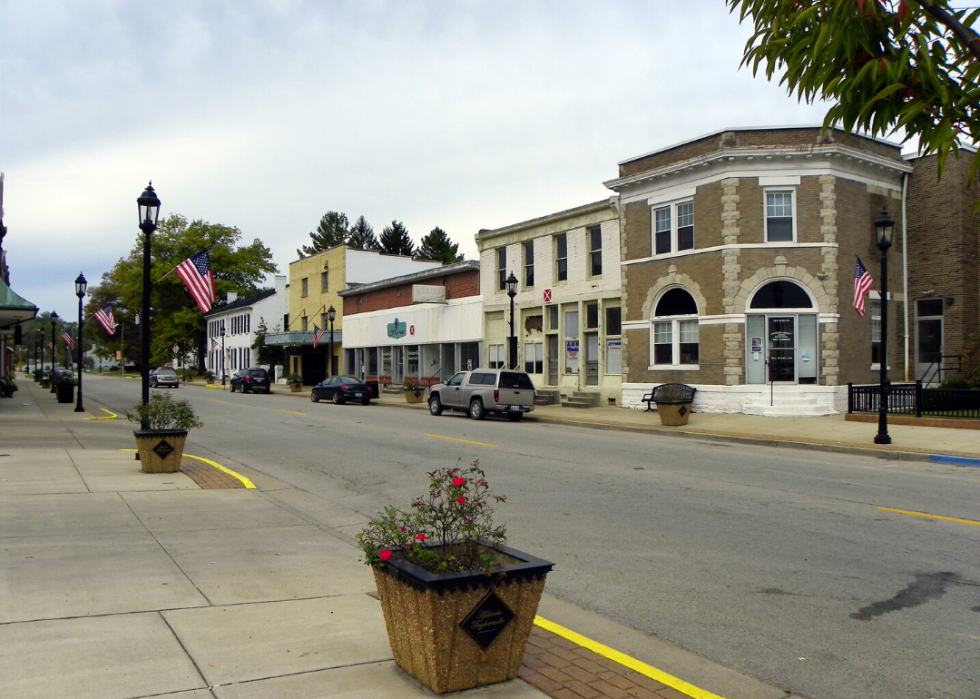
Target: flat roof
column 455, row 268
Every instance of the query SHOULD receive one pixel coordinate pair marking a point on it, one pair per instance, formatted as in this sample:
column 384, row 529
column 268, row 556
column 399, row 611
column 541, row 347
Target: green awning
column 14, row 309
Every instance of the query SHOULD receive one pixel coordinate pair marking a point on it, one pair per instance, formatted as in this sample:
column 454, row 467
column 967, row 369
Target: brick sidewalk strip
column 208, row 477
column 565, row 670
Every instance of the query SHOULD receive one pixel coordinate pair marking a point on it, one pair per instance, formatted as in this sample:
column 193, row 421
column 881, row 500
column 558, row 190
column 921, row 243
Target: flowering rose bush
column 449, row 530
column 164, row 413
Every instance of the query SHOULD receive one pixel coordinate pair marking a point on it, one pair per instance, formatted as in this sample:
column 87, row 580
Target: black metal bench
column 669, row 393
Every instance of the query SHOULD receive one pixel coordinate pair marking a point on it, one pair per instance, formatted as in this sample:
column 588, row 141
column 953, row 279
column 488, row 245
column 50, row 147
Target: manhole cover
column 487, row 620
column 163, row 449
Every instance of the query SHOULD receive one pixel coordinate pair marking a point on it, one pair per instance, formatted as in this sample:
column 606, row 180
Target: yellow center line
column 464, row 441
column 927, row 516
column 625, row 660
column 291, row 412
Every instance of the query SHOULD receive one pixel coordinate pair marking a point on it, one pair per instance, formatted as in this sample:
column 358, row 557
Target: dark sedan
column 341, row 389
column 250, row 381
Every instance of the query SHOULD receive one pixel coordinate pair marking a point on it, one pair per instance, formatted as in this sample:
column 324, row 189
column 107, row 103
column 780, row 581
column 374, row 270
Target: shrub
column 165, row 413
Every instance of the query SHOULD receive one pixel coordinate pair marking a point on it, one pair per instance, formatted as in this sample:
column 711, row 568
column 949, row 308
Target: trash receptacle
column 375, row 391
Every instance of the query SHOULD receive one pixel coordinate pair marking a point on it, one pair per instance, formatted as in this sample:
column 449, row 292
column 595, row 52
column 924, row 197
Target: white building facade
column 567, row 318
column 240, row 319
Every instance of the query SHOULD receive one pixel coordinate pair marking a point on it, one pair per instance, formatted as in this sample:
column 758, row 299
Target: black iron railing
column 914, row 399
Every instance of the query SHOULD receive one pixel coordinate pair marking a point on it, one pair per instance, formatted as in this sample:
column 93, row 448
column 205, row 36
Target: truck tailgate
column 516, row 396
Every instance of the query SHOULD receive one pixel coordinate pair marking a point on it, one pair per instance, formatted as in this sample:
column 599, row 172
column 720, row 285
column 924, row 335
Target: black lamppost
column 222, row 333
column 884, row 225
column 511, row 283
column 331, row 314
column 54, row 322
column 149, row 212
column 80, row 287
column 37, row 346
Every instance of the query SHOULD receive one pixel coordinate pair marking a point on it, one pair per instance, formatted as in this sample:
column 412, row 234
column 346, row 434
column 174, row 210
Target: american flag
column 104, row 316
column 214, row 344
column 862, row 282
column 317, row 336
column 197, row 275
column 68, row 340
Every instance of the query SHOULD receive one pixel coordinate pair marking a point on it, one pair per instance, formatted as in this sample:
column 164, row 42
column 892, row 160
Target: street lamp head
column 331, row 314
column 511, row 283
column 884, row 226
column 54, row 317
column 149, row 208
column 80, row 285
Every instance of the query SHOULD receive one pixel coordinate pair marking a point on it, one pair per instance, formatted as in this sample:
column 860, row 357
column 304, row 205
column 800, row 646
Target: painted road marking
column 291, row 412
column 625, row 660
column 927, row 516
column 245, row 481
column 464, row 441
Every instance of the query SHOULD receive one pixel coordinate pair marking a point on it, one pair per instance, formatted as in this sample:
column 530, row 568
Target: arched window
column 781, row 294
column 675, row 330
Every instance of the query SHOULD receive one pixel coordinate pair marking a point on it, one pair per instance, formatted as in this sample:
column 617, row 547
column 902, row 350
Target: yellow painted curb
column 214, row 385
column 625, row 660
column 111, row 416
column 246, row 482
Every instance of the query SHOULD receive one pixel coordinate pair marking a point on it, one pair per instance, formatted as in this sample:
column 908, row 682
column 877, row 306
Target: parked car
column 251, row 380
column 164, row 377
column 482, row 391
column 341, row 389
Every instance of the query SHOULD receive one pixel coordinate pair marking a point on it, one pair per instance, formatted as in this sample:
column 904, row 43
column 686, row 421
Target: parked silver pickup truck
column 482, row 391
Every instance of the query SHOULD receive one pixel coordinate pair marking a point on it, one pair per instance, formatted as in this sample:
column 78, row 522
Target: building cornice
column 609, row 204
column 718, row 161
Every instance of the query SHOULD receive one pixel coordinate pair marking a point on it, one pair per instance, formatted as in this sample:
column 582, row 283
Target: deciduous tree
column 885, row 65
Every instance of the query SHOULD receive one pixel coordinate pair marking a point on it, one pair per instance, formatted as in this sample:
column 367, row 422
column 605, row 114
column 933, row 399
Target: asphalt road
column 776, row 562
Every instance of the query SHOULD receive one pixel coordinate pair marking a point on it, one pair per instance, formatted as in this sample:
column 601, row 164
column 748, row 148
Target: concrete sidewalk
column 120, row 584
column 831, row 433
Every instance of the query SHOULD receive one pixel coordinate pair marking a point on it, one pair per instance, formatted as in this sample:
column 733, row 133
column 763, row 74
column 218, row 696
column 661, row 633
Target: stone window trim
column 774, row 202
column 672, row 223
column 674, row 333
column 305, row 287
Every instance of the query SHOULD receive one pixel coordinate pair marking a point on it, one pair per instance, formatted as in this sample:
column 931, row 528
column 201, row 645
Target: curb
column 954, row 460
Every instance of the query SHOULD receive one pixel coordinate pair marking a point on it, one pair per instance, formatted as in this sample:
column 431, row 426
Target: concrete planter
column 66, row 393
column 674, row 414
column 415, row 396
column 461, row 630
column 296, row 387
column 160, row 450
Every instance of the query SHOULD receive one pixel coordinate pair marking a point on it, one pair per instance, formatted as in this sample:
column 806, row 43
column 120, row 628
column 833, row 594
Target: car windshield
column 347, row 379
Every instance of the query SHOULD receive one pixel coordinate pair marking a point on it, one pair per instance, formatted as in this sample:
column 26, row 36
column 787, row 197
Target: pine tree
column 395, row 241
column 332, row 231
column 361, row 236
column 437, row 246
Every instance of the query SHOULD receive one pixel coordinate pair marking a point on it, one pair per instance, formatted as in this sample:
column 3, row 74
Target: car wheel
column 476, row 409
column 337, row 400
column 314, row 397
column 366, row 401
column 232, row 388
column 515, row 417
column 435, row 405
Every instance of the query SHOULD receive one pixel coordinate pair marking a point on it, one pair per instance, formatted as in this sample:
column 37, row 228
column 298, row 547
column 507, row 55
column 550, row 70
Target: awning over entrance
column 13, row 309
column 302, row 338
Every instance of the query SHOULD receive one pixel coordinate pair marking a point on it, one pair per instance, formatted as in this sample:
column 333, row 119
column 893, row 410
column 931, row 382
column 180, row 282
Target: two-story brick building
column 567, row 303
column 739, row 252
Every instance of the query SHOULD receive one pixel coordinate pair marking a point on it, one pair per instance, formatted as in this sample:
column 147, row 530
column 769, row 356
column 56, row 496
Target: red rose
column 384, row 554
column 461, row 500
column 421, row 537
column 457, row 481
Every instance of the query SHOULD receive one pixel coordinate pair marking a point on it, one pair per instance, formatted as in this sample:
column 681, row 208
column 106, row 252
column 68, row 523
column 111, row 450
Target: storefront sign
column 756, row 344
column 614, row 344
column 397, row 329
column 571, row 349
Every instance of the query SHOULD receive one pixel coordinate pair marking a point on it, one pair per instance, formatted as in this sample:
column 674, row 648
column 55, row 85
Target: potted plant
column 209, row 377
column 64, row 385
column 458, row 604
column 8, row 386
column 161, row 446
column 413, row 390
column 38, row 373
column 673, row 402
column 295, row 382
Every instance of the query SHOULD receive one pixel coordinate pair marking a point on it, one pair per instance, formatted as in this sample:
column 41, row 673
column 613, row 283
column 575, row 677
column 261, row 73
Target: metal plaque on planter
column 487, row 620
column 163, row 449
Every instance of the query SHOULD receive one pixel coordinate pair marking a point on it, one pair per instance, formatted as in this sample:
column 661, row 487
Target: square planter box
column 674, row 414
column 160, row 450
column 461, row 630
column 415, row 395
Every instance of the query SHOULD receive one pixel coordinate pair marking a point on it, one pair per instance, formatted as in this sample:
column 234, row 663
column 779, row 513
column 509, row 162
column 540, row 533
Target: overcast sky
column 264, row 115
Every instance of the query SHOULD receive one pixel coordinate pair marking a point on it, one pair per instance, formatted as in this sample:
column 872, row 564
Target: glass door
column 552, row 360
column 928, row 338
column 591, row 359
column 782, row 348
